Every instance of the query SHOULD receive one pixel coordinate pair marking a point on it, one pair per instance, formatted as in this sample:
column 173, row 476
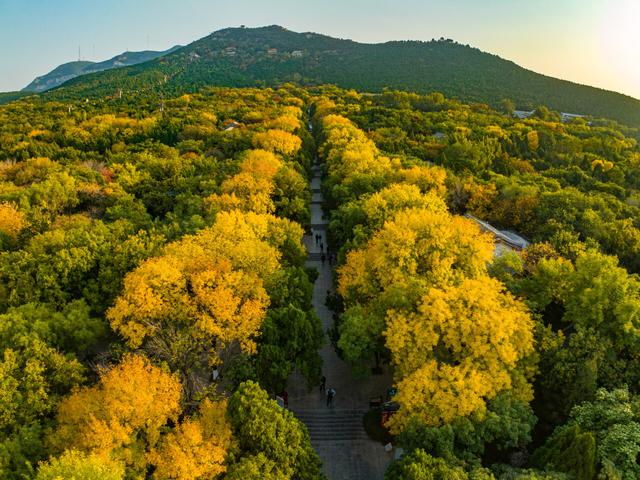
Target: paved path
column 336, row 433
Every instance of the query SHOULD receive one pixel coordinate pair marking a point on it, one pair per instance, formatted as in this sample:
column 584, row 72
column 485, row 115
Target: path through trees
column 336, row 433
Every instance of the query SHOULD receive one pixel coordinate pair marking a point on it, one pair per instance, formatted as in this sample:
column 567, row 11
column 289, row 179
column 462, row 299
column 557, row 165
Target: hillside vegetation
column 246, row 57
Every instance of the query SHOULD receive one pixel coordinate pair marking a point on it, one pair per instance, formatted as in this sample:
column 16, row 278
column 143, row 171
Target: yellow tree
column 205, row 293
column 252, row 188
column 288, row 123
column 357, row 220
column 197, row 448
column 253, row 193
column 260, row 163
column 418, row 247
column 459, row 348
column 278, row 141
column 426, row 178
column 382, row 205
column 533, row 141
column 121, row 416
column 12, row 220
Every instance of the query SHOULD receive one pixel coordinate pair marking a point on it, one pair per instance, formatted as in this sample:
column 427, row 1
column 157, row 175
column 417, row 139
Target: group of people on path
column 329, row 255
column 330, row 392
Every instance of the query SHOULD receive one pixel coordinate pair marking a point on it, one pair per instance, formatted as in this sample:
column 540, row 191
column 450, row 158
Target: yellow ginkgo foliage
column 418, row 247
column 260, row 163
column 288, row 122
column 278, row 141
column 205, row 292
column 457, row 350
column 122, row 415
column 426, row 178
column 252, row 188
column 383, row 204
column 348, row 152
column 12, row 220
column 197, row 448
column 201, row 295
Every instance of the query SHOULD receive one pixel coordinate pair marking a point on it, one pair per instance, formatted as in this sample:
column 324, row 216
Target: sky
column 595, row 42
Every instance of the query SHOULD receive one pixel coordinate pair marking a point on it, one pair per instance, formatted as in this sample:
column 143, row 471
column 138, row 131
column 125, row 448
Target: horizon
column 596, row 48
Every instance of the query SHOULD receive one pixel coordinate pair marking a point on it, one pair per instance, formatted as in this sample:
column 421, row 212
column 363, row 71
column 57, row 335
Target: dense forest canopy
column 146, row 241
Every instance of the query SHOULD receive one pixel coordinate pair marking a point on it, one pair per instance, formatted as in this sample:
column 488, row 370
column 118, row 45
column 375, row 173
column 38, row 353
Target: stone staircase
column 333, row 424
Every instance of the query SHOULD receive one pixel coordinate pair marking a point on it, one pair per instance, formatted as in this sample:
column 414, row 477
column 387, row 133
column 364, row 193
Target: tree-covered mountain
column 273, row 55
column 70, row 70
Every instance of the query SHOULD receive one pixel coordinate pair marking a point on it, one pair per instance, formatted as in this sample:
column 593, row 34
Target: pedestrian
column 285, row 397
column 322, row 246
column 330, row 394
column 323, row 383
column 323, row 258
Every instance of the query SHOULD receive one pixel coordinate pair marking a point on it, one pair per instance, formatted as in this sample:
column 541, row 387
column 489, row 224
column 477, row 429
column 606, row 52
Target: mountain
column 70, row 70
column 272, row 55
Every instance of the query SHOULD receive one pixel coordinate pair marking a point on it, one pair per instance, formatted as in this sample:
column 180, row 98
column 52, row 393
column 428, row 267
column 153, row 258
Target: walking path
column 336, row 433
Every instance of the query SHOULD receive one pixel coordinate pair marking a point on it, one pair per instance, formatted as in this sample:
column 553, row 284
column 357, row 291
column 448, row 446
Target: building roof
column 522, row 114
column 508, row 238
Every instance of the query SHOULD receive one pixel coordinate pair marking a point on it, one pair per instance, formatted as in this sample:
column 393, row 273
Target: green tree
column 569, row 450
column 260, row 426
column 611, row 424
column 33, row 379
column 419, row 465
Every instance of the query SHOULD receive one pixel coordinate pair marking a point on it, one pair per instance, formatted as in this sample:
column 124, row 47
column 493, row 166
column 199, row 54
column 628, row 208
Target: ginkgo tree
column 12, row 222
column 278, row 141
column 251, row 188
column 205, row 294
column 122, row 416
column 125, row 420
column 418, row 248
column 460, row 348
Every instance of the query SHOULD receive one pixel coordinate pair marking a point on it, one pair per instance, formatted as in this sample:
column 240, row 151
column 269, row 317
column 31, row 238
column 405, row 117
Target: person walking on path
column 330, row 394
column 323, row 383
column 322, row 246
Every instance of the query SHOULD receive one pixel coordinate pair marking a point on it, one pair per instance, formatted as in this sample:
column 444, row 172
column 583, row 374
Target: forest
column 147, row 242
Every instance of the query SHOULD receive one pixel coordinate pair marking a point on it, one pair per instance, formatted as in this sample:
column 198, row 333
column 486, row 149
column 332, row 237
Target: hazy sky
column 596, row 42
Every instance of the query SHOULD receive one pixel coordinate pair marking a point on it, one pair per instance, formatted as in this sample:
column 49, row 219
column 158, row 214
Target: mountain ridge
column 272, row 55
column 73, row 69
